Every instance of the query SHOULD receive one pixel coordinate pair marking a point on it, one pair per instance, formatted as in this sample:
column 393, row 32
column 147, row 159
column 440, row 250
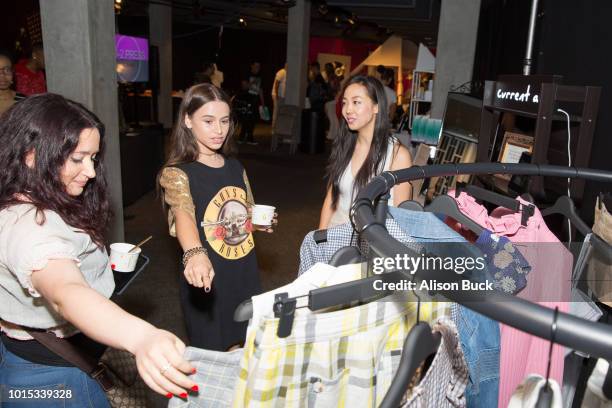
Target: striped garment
column 344, row 358
column 444, row 383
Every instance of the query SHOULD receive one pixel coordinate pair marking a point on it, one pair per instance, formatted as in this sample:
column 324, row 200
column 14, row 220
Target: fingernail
column 194, row 388
column 193, row 371
column 183, row 395
column 169, row 395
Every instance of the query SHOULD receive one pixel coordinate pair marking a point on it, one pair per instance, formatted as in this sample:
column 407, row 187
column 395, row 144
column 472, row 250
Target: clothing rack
column 573, row 332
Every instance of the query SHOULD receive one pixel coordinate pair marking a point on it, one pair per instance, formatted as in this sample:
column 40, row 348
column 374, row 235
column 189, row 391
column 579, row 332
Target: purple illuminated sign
column 131, row 48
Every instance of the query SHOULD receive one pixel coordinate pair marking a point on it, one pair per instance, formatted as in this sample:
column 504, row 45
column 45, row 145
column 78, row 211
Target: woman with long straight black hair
column 362, row 149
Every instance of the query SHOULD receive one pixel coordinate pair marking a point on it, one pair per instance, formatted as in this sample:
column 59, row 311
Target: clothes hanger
column 444, row 204
column 344, row 256
column 545, row 396
column 343, row 294
column 492, row 197
column 420, row 344
column 411, row 205
column 499, row 200
column 565, row 206
column 605, row 199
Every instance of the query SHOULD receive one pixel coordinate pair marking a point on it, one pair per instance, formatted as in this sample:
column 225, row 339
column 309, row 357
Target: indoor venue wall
column 575, row 43
column 502, row 35
column 572, row 41
column 239, row 47
column 19, row 11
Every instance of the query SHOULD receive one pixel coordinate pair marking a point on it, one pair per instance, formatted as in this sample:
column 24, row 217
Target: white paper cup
column 121, row 260
column 262, row 215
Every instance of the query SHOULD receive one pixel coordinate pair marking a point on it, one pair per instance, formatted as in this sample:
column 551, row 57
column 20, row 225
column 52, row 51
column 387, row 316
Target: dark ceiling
column 372, row 20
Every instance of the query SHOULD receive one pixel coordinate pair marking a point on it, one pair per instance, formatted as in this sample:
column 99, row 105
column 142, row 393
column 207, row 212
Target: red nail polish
column 193, row 371
column 113, row 267
column 195, row 388
column 169, row 395
column 183, row 395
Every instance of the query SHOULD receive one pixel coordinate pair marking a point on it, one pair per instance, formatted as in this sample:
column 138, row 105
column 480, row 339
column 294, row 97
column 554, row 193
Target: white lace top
column 345, row 199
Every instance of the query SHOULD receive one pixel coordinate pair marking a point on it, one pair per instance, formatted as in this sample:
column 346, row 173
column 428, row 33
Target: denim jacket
column 479, row 335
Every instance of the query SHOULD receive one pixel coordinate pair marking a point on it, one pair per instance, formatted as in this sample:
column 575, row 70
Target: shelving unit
column 419, row 104
column 421, row 91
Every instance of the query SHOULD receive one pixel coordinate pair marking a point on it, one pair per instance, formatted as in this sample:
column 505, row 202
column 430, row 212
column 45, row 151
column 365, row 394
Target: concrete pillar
column 79, row 41
column 298, row 34
column 160, row 35
column 457, row 32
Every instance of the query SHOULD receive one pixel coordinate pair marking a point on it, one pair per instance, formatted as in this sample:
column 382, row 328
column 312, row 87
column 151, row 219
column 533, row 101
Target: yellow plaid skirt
column 345, row 358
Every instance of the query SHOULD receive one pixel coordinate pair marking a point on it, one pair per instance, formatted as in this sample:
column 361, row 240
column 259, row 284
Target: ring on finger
column 165, row 368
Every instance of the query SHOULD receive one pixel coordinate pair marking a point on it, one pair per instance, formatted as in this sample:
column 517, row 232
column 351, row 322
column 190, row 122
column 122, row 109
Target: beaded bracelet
column 188, row 254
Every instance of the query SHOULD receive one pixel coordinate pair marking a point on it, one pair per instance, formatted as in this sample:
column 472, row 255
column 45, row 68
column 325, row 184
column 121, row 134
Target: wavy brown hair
column 50, row 125
column 183, row 144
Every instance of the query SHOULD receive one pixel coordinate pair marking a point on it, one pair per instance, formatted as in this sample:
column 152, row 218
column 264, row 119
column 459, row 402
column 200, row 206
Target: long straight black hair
column 345, row 140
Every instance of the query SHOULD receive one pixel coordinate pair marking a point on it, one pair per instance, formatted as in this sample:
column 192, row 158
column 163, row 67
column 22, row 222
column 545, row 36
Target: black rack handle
column 578, row 334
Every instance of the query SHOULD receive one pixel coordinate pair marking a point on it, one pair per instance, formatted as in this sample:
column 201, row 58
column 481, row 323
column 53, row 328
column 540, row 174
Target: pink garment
column 548, row 284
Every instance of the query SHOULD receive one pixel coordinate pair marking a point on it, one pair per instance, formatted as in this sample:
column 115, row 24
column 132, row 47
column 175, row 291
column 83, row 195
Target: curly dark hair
column 49, row 125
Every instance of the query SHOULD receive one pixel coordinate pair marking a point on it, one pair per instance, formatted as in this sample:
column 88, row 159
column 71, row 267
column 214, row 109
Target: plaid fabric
column 341, row 236
column 445, row 381
column 339, row 359
column 216, row 374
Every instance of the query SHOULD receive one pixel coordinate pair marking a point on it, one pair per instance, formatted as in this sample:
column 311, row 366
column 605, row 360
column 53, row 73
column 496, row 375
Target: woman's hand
column 269, row 229
column 159, row 359
column 199, row 271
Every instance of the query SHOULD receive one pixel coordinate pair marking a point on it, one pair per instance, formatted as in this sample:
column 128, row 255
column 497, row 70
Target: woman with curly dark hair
column 55, row 279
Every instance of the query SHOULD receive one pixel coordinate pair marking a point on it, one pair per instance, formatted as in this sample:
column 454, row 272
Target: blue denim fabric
column 479, row 335
column 424, row 226
column 480, row 341
column 18, row 376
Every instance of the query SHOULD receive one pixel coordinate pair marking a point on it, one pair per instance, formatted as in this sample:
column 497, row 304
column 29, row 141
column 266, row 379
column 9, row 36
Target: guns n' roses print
column 227, row 225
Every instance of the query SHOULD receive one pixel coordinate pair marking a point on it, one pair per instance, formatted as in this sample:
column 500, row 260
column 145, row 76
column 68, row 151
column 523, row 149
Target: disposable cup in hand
column 262, row 215
column 121, row 259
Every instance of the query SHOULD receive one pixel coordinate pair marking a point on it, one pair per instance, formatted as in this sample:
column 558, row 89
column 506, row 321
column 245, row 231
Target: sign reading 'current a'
column 517, row 96
column 516, row 93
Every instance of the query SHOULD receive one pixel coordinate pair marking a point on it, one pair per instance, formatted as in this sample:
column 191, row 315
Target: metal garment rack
column 578, row 334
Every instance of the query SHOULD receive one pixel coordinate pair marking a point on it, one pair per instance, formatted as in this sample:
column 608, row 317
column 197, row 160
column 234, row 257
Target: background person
column 29, row 73
column 54, row 270
column 7, row 95
column 255, row 89
column 278, row 93
column 363, row 149
column 243, row 104
column 333, row 87
column 389, row 83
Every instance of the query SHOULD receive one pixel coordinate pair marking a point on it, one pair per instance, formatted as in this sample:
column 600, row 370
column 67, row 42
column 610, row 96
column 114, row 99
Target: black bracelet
column 193, row 251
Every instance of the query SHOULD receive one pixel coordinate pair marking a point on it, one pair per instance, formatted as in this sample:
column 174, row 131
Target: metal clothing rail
column 578, row 334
